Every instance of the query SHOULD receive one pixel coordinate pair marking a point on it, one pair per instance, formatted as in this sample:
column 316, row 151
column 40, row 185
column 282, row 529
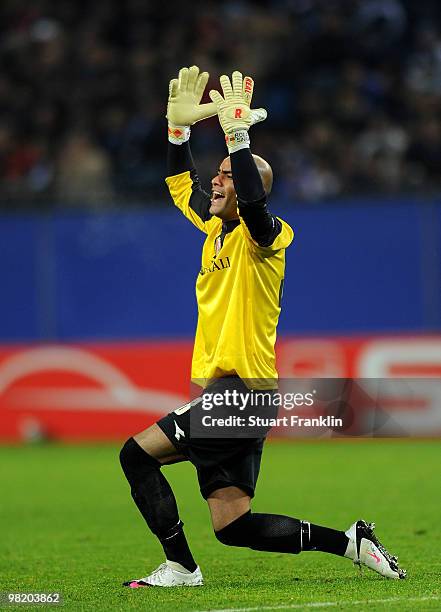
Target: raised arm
column 252, row 196
column 236, row 117
column 184, row 186
column 184, row 110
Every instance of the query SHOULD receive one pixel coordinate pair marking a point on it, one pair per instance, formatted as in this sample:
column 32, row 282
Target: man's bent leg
column 235, row 525
column 141, row 460
column 227, row 505
column 154, row 441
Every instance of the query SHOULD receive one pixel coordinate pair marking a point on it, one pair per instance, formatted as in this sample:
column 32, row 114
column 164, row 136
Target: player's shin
column 324, row 539
column 155, row 500
column 279, row 533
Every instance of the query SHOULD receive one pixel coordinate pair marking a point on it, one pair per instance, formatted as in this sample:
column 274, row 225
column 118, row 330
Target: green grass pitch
column 68, row 525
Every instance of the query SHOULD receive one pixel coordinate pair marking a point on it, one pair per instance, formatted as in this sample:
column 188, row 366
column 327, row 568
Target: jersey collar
column 228, row 226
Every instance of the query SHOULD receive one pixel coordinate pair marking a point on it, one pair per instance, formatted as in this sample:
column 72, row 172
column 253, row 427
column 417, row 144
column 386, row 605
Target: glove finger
column 257, row 115
column 173, row 88
column 206, row 110
column 183, row 79
column 201, row 85
column 226, row 87
column 248, row 88
column 216, row 97
column 193, row 74
column 237, row 84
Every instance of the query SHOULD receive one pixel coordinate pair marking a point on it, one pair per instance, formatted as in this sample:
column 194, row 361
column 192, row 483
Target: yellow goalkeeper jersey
column 238, row 290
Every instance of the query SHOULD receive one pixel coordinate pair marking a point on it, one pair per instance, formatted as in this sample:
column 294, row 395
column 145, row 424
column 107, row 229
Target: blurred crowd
column 352, row 89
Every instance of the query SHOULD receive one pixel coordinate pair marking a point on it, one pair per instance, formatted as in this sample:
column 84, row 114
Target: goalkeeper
column 238, row 293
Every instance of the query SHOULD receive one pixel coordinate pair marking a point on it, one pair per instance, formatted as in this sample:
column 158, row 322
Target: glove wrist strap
column 178, row 134
column 239, row 139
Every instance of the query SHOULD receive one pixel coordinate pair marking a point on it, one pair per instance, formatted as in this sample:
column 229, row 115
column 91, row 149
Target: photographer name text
column 285, row 421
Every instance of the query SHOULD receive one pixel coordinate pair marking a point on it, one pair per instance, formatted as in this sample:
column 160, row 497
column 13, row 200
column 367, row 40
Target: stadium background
column 98, row 311
column 97, row 268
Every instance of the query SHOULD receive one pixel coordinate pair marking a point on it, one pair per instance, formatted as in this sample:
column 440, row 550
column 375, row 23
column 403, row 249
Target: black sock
column 155, row 500
column 324, row 539
column 266, row 532
column 279, row 533
column 176, row 547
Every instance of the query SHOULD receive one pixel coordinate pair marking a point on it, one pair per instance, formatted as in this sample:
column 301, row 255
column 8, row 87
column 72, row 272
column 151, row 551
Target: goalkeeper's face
column 223, row 194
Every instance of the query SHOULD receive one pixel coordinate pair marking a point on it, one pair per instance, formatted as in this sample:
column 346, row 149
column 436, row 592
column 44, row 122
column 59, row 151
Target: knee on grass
column 236, row 533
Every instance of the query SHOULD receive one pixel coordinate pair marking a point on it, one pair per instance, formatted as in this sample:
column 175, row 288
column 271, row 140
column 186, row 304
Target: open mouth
column 216, row 195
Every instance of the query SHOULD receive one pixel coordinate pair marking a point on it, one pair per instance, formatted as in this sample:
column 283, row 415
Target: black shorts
column 220, row 462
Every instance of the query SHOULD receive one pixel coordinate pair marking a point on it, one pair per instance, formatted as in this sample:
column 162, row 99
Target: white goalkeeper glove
column 234, row 112
column 184, row 108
